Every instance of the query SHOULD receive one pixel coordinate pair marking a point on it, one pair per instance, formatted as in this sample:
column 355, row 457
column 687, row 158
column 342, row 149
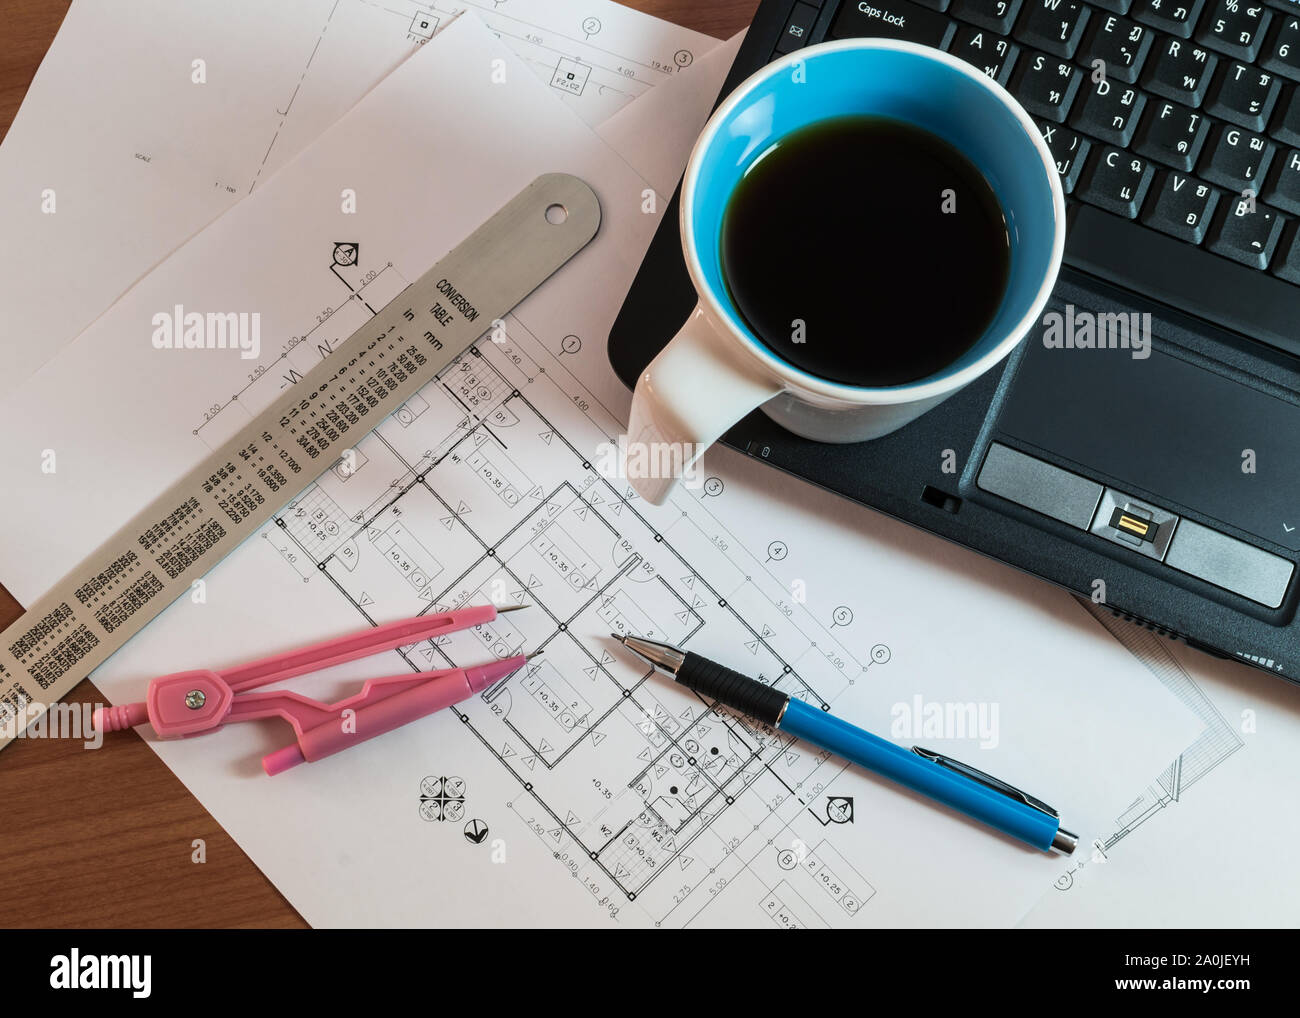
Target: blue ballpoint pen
column 948, row 781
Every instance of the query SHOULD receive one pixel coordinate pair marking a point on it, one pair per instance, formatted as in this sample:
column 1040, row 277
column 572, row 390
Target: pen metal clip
column 987, row 780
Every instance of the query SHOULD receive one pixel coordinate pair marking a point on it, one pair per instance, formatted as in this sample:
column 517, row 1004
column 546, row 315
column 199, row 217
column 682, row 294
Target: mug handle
column 697, row 388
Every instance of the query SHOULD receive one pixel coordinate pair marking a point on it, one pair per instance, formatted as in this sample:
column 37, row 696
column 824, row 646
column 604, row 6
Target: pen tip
column 618, row 637
column 536, row 653
column 512, row 608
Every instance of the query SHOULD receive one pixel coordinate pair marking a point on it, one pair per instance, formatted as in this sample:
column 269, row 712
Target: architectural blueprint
column 474, row 494
column 582, row 790
column 149, row 118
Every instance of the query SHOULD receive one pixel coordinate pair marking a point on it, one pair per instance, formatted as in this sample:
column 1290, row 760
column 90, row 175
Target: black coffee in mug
column 866, row 251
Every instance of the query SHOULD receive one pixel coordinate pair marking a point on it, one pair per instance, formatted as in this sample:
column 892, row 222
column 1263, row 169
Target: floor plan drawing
column 597, row 63
column 469, row 494
column 592, row 54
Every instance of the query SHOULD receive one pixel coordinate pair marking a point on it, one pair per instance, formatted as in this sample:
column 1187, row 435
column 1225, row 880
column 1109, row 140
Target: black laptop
column 1170, row 493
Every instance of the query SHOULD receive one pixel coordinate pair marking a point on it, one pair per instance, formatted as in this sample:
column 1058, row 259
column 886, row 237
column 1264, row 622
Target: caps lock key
column 893, row 19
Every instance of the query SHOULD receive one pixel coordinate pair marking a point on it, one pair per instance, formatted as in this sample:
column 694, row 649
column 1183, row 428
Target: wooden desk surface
column 105, row 839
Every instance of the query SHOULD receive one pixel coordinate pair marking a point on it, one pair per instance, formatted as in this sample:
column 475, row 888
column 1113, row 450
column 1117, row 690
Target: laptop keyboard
column 1181, row 117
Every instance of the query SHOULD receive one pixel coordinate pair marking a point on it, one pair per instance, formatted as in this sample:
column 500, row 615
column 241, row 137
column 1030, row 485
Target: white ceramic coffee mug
column 715, row 371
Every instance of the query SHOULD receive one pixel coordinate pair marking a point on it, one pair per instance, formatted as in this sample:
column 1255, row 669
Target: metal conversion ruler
column 201, row 518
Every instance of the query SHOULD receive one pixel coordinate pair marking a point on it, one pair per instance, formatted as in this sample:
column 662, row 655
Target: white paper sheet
column 608, row 795
column 1205, row 842
column 118, row 155
column 656, row 135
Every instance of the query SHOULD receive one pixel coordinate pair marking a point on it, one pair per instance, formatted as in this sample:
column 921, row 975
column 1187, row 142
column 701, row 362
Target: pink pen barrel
column 370, row 720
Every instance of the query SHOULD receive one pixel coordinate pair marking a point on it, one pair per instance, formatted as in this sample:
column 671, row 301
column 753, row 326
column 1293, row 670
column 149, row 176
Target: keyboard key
column 1286, row 122
column 1046, row 87
column 1235, row 27
column 1114, row 6
column 1172, row 134
column 1283, row 185
column 1282, row 51
column 1068, row 150
column 995, row 15
column 1121, row 45
column 798, row 28
column 1245, row 95
column 893, row 19
column 1181, row 207
column 1236, row 159
column 1053, row 25
column 1245, row 236
column 1286, row 264
column 1116, row 181
column 1180, row 71
column 1177, row 17
column 992, row 54
column 1109, row 111
column 934, row 5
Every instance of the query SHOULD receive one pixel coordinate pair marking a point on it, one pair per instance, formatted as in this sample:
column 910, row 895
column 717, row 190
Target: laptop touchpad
column 1167, row 426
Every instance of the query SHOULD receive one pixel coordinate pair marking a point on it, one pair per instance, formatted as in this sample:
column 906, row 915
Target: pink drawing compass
column 191, row 703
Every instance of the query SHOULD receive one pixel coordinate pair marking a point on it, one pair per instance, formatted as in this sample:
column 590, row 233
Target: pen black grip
column 731, row 688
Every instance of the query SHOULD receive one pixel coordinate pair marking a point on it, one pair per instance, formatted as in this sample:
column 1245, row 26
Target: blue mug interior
column 906, row 85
